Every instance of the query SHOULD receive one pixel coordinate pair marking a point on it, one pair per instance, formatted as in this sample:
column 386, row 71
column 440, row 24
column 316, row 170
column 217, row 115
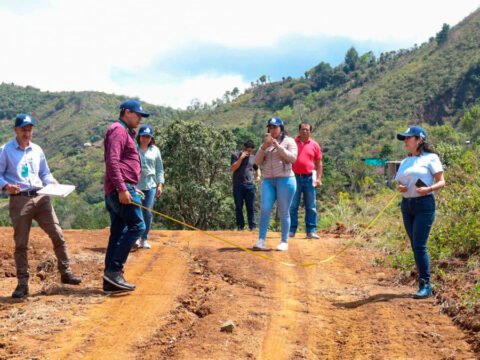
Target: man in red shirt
column 122, row 174
column 308, row 173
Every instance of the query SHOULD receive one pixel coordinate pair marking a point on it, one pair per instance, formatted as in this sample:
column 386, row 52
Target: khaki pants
column 23, row 210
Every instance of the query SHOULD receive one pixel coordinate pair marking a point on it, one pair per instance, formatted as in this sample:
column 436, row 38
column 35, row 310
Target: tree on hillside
column 351, row 60
column 235, row 92
column 197, row 173
column 321, row 75
column 470, row 123
column 442, row 35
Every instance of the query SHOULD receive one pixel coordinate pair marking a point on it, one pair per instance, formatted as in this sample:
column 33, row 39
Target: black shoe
column 117, row 279
column 109, row 288
column 20, row 292
column 69, row 278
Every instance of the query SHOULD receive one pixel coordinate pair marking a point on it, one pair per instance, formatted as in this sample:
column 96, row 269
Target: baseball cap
column 135, row 106
column 413, row 131
column 275, row 121
column 23, row 120
column 145, row 130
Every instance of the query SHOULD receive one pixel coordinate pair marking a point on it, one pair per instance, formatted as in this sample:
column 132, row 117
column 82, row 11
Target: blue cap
column 275, row 121
column 145, row 130
column 413, row 131
column 135, row 106
column 23, row 120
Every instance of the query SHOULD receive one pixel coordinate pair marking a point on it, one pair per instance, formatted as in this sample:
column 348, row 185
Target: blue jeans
column 126, row 227
column 305, row 187
column 281, row 190
column 418, row 216
column 241, row 193
column 147, row 215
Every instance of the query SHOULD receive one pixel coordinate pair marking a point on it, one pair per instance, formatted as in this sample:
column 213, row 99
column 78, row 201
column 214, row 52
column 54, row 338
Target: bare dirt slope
column 190, row 284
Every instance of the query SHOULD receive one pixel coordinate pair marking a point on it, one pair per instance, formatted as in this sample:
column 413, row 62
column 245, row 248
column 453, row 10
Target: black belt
column 28, row 193
column 304, row 175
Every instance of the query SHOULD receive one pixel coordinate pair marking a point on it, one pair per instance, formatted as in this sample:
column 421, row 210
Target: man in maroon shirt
column 308, row 173
column 122, row 173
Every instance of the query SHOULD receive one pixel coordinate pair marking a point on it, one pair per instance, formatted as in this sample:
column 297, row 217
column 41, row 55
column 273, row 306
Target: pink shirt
column 308, row 153
column 122, row 161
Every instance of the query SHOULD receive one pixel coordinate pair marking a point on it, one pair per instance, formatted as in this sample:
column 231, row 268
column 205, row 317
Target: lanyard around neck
column 129, row 133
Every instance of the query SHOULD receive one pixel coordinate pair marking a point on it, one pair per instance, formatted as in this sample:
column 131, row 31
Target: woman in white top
column 419, row 175
column 277, row 155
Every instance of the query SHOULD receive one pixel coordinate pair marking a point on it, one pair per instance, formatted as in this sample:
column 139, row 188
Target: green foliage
column 442, row 35
column 198, row 178
column 470, row 123
column 457, row 228
column 351, row 60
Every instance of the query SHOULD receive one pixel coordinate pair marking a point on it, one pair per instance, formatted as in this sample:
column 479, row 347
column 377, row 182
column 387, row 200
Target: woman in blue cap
column 152, row 179
column 419, row 175
column 277, row 155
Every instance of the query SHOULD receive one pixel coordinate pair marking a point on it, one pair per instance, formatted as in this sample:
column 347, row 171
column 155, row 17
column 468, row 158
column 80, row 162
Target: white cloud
column 74, row 45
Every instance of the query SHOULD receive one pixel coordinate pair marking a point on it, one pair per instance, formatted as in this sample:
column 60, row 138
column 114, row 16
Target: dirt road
column 190, row 284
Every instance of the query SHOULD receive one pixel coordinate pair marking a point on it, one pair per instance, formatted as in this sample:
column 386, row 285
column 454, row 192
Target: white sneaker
column 312, row 235
column 283, row 246
column 260, row 245
column 144, row 244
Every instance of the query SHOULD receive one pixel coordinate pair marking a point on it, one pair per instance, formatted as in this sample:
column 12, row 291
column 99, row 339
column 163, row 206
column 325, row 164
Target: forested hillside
column 355, row 107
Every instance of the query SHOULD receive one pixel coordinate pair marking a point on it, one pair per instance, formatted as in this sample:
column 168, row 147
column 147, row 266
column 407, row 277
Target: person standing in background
column 308, row 173
column 152, row 179
column 244, row 172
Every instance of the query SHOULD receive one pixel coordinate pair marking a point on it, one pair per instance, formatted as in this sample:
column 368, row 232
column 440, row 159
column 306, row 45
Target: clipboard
column 57, row 190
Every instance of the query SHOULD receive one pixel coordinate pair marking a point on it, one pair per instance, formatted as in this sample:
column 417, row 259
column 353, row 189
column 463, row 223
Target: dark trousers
column 245, row 193
column 418, row 216
column 126, row 227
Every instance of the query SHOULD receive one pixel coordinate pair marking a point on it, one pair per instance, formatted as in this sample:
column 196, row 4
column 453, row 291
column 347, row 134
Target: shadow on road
column 56, row 290
column 234, row 249
column 372, row 299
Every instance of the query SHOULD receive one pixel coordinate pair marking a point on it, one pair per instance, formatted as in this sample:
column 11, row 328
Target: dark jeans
column 147, row 215
column 241, row 193
column 418, row 216
column 126, row 227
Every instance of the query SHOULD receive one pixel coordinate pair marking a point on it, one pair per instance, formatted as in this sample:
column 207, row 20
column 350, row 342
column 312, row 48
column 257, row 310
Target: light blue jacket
column 152, row 168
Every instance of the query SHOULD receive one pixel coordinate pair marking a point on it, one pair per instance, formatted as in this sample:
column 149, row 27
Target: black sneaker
column 117, row 279
column 20, row 292
column 109, row 288
column 69, row 278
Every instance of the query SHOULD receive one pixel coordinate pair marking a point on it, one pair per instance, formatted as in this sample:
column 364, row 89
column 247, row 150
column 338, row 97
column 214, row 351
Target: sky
column 170, row 53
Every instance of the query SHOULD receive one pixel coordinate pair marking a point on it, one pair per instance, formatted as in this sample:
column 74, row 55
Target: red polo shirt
column 308, row 153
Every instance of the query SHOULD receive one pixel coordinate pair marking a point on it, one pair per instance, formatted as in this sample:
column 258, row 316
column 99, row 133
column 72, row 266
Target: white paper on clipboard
column 56, row 190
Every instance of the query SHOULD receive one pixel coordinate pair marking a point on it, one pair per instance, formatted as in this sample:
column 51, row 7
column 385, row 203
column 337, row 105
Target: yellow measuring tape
column 268, row 258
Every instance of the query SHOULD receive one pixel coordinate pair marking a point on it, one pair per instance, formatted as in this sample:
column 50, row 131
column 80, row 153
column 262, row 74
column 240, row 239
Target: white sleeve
column 435, row 165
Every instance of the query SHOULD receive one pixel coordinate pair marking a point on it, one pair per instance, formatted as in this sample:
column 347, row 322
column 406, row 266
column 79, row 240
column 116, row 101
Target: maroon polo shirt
column 122, row 161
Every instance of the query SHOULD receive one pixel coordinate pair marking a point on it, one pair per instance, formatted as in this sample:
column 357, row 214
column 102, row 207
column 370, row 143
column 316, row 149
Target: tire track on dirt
column 286, row 330
column 112, row 329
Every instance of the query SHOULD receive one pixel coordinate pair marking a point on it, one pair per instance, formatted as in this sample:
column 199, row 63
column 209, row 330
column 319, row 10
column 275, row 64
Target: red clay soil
column 189, row 285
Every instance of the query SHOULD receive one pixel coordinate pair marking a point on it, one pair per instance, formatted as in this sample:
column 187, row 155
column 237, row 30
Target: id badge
column 24, row 171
